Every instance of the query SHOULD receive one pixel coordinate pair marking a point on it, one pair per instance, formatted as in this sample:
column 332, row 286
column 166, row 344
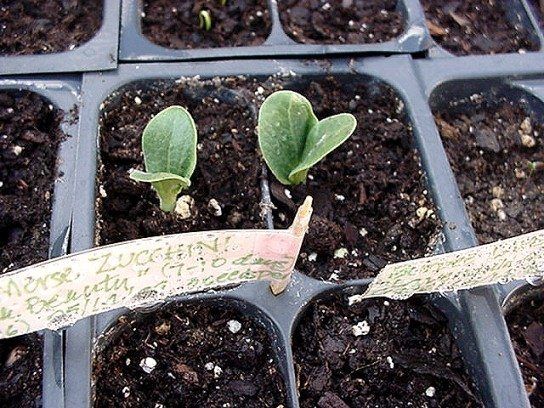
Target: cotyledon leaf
column 323, row 138
column 285, row 118
column 169, row 147
column 169, row 142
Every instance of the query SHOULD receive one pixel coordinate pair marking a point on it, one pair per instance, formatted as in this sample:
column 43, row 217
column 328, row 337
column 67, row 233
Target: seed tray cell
column 64, row 94
column 99, row 53
column 134, row 46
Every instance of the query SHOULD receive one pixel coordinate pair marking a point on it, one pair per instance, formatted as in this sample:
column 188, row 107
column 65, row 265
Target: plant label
column 57, row 293
column 521, row 257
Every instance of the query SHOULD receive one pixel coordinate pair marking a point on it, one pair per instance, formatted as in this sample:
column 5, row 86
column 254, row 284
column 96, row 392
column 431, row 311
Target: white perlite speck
column 360, row 329
column 390, row 362
column 126, row 392
column 17, row 150
column 312, row 257
column 209, row 366
column 184, row 206
column 341, row 253
column 137, row 100
column 429, row 392
column 215, row 208
column 148, row 364
column 217, row 371
column 234, row 326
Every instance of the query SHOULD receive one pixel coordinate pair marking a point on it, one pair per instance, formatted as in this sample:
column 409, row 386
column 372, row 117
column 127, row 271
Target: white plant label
column 521, row 257
column 57, row 293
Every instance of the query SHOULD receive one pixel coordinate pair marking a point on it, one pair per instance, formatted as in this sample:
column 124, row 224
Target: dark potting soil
column 205, row 356
column 358, row 22
column 175, row 24
column 42, row 27
column 475, row 27
column 228, row 167
column 491, row 146
column 526, row 326
column 378, row 353
column 370, row 202
column 30, row 131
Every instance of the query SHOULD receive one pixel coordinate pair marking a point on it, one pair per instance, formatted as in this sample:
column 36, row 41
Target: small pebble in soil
column 234, row 326
column 148, row 364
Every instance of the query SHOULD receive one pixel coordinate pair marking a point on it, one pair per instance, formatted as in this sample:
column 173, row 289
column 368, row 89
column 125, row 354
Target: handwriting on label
column 521, row 257
column 57, row 293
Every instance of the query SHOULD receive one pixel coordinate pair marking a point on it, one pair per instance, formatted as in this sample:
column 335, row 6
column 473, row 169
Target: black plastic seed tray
column 447, row 81
column 99, row 53
column 63, row 93
column 519, row 14
column 134, row 46
column 475, row 317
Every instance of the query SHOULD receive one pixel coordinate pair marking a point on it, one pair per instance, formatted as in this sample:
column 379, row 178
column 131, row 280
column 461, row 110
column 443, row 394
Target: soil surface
column 205, row 356
column 475, row 27
column 30, row 131
column 228, row 167
column 175, row 24
column 43, row 27
column 526, row 326
column 378, row 353
column 361, row 22
column 496, row 151
column 370, row 202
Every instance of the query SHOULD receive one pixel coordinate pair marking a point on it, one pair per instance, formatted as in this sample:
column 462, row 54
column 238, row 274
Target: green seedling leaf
column 292, row 139
column 169, row 147
column 205, row 20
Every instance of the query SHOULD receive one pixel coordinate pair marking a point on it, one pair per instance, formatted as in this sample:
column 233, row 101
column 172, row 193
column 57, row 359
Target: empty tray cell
column 371, row 206
column 44, row 27
column 176, row 24
column 191, row 355
column 379, row 353
column 494, row 141
column 480, row 26
column 30, row 137
column 341, row 22
column 224, row 191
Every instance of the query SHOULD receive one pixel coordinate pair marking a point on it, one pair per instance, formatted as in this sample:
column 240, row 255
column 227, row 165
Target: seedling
column 535, row 166
column 205, row 20
column 292, row 139
column 169, row 147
